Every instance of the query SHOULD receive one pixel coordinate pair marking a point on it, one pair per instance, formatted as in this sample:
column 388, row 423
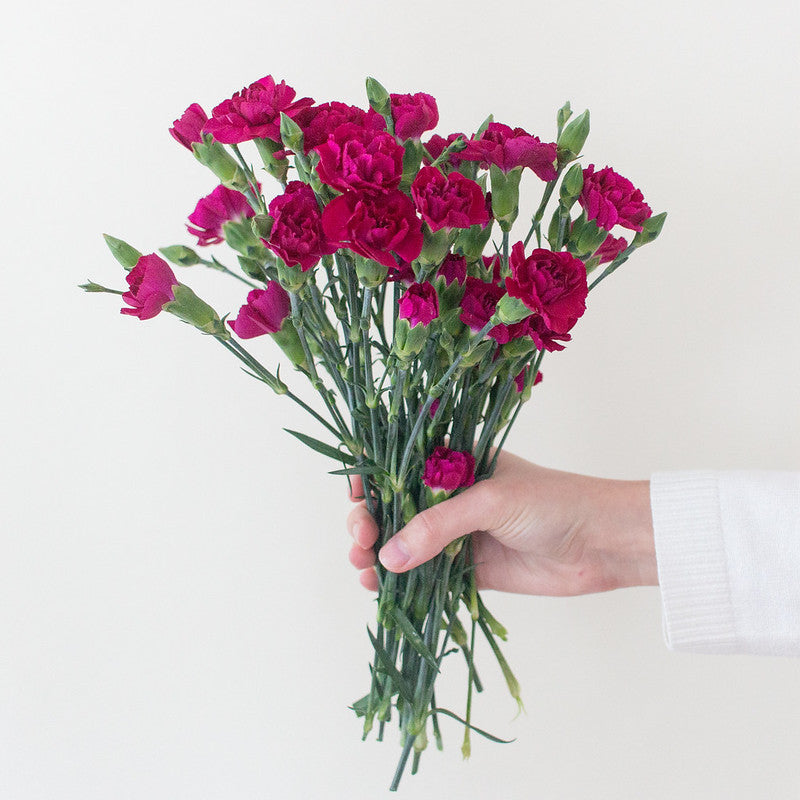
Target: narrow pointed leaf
column 486, row 734
column 412, row 636
column 321, row 447
column 391, row 670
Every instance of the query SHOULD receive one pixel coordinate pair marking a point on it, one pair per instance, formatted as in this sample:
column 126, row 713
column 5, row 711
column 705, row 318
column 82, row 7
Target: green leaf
column 321, row 447
column 360, row 706
column 412, row 636
column 391, row 670
column 488, row 735
column 365, row 469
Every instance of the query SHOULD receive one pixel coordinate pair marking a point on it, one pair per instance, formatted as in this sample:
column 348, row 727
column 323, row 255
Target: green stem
column 215, row 265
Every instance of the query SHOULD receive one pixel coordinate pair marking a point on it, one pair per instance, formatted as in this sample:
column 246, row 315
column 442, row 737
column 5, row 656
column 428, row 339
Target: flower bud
column 291, row 134
column 571, row 186
column 370, row 273
column 126, row 255
column 240, row 237
column 510, row 310
column 213, row 155
column 277, row 167
column 562, row 115
column 505, row 195
column 180, row 254
column 292, row 278
column 573, row 137
column 651, row 227
column 408, row 341
column 190, row 308
column 379, row 99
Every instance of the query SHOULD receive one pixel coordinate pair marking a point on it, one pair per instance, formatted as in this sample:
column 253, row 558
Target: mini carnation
column 448, row 201
column 413, row 114
column 264, row 312
column 188, row 128
column 610, row 249
column 354, row 157
column 297, row 235
column 255, row 112
column 151, row 284
column 447, row 470
column 214, row 210
column 419, row 304
column 610, row 199
column 507, row 148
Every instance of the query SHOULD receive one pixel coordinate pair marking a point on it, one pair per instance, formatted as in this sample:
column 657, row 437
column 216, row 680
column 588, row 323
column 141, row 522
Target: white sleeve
column 728, row 553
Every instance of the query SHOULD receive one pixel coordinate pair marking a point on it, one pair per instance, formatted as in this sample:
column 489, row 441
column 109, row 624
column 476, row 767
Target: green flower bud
column 562, row 115
column 573, row 137
column 510, row 310
column 180, row 254
column 289, row 341
column 277, row 167
column 370, row 273
column 408, row 341
column 412, row 158
column 291, row 134
column 240, row 237
column 213, row 155
column 571, row 186
column 379, row 99
column 190, row 308
column 122, row 251
column 651, row 227
column 505, row 195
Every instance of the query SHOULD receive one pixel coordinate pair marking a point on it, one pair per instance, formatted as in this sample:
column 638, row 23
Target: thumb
column 432, row 530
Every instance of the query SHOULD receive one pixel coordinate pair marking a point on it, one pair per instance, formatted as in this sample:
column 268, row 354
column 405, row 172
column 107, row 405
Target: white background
column 177, row 615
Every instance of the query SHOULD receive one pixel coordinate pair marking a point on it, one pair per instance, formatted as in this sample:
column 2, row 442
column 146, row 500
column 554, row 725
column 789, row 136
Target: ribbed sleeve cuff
column 692, row 564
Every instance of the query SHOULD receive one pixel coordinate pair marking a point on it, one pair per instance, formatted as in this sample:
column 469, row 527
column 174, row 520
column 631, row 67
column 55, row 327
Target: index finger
column 356, row 488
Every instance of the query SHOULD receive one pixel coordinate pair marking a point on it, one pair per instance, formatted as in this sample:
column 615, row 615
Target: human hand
column 535, row 531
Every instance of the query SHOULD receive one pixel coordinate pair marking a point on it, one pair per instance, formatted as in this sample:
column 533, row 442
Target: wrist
column 622, row 534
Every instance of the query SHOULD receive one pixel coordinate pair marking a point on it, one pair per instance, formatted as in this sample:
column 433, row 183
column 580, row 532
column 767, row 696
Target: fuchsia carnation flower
column 453, row 268
column 297, row 235
column 255, row 112
column 508, row 148
column 264, row 312
column 151, row 282
column 413, row 114
column 189, row 127
column 447, row 470
column 553, row 286
column 610, row 249
column 448, row 201
column 478, row 304
column 375, row 225
column 354, row 157
column 318, row 122
column 611, row 200
column 214, row 210
column 419, row 305
column 436, row 145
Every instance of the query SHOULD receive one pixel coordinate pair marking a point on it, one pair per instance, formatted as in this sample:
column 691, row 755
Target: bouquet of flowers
column 383, row 269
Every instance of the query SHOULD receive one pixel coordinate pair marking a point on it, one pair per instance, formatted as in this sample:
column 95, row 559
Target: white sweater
column 728, row 552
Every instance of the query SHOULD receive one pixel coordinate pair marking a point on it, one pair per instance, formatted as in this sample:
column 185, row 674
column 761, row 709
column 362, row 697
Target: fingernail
column 355, row 530
column 394, row 554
